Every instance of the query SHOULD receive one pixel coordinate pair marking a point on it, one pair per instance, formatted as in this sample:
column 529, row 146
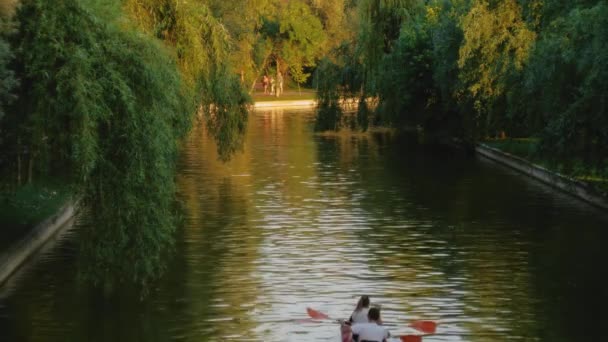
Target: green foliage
column 483, row 68
column 334, row 15
column 523, row 148
column 495, row 40
column 339, row 82
column 446, row 37
column 363, row 61
column 7, row 77
column 243, row 19
column 572, row 57
column 26, row 206
column 203, row 48
column 496, row 45
column 304, row 34
column 405, row 77
column 379, row 28
column 107, row 107
column 226, row 111
column 329, row 112
column 293, row 39
column 453, row 113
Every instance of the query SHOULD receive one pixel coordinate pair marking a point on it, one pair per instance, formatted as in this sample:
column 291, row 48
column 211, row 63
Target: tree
column 243, row 20
column 572, row 56
column 379, row 27
column 405, row 80
column 104, row 107
column 7, row 76
column 203, row 47
column 292, row 39
column 337, row 18
column 496, row 42
column 453, row 111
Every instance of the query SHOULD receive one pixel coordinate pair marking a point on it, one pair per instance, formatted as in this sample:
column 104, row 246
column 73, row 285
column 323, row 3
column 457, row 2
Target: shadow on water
column 472, row 239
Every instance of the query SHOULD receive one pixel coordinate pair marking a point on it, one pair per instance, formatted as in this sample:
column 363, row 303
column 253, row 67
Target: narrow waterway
column 297, row 219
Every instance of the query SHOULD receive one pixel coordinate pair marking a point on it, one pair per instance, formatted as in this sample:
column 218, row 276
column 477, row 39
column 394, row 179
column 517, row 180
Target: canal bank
column 22, row 250
column 571, row 186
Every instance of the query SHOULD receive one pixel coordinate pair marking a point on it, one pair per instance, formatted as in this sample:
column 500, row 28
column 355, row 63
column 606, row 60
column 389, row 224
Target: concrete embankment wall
column 572, row 186
column 13, row 258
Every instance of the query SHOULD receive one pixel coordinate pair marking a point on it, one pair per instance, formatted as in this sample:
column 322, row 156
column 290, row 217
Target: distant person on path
column 280, row 81
column 371, row 331
column 265, row 84
column 272, row 85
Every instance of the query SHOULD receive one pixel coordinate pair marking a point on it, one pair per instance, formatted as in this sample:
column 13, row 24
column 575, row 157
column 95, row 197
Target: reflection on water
column 301, row 220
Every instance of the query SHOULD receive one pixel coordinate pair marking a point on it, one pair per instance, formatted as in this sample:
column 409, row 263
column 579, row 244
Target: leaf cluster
column 7, row 77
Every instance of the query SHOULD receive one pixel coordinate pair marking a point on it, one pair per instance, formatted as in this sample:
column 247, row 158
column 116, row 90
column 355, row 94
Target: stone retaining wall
column 572, row 186
column 20, row 252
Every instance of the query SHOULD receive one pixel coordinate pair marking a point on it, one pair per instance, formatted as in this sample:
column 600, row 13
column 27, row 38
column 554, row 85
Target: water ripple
column 298, row 220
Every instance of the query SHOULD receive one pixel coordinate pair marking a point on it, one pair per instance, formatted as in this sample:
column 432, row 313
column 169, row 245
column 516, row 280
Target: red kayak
column 347, row 334
column 425, row 327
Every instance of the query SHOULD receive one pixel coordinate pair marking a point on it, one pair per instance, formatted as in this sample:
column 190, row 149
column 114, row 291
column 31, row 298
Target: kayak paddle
column 427, row 327
column 314, row 314
column 410, row 338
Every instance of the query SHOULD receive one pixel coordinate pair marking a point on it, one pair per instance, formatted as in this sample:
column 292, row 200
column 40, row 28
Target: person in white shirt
column 360, row 313
column 371, row 331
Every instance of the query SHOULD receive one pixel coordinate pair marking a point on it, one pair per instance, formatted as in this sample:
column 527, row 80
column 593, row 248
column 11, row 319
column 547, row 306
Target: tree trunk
column 30, row 169
column 278, row 88
column 19, row 161
column 256, row 78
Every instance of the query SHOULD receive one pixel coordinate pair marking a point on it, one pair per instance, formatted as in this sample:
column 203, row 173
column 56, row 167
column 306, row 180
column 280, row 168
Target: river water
column 298, row 219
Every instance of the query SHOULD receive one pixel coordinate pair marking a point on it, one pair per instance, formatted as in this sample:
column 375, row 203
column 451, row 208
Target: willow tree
column 104, row 107
column 291, row 39
column 327, row 81
column 450, row 108
column 379, row 28
column 339, row 21
column 243, row 20
column 203, row 47
column 405, row 84
column 572, row 57
column 496, row 44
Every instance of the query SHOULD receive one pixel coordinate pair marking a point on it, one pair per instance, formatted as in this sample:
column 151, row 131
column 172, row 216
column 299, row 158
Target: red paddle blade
column 316, row 314
column 427, row 327
column 411, row 338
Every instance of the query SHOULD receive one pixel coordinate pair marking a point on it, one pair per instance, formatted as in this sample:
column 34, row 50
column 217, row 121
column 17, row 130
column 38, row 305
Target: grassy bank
column 526, row 148
column 523, row 147
column 25, row 207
